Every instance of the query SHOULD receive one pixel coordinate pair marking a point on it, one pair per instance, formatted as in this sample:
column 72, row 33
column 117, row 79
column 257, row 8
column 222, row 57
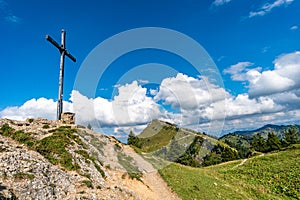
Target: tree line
column 272, row 143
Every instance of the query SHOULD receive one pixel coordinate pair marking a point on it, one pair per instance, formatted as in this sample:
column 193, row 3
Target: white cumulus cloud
column 243, row 105
column 188, row 93
column 284, row 77
column 130, row 107
column 238, row 70
column 34, row 108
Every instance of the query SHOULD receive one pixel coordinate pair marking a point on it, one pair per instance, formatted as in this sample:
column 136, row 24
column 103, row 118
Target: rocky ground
column 105, row 168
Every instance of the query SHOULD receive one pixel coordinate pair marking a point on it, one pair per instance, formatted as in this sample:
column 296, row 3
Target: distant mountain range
column 277, row 129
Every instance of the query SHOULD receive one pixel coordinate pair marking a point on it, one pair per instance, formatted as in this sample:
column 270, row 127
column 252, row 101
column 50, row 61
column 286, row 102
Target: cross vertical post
column 63, row 52
column 61, row 76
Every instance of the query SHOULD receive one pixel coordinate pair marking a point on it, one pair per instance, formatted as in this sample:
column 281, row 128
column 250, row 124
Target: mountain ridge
column 278, row 129
column 264, row 129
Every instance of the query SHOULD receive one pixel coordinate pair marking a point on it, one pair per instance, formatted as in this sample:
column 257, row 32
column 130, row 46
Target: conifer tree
column 291, row 136
column 273, row 142
column 258, row 143
column 133, row 140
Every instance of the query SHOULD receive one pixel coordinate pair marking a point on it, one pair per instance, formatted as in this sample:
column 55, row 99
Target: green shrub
column 23, row 138
column 84, row 154
column 46, row 126
column 134, row 140
column 4, row 175
column 219, row 154
column 54, row 149
column 117, row 147
column 135, row 175
column 6, row 130
column 88, row 183
column 100, row 170
column 86, row 175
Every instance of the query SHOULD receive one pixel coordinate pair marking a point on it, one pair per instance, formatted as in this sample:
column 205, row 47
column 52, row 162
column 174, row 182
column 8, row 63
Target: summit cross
column 63, row 52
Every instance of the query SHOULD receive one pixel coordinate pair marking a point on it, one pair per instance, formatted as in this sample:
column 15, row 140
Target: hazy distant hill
column 277, row 129
column 241, row 139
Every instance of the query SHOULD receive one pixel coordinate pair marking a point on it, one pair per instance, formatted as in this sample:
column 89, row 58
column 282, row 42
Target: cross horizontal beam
column 60, row 48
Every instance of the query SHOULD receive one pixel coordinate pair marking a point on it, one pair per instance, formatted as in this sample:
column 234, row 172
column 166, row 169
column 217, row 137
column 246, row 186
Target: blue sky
column 254, row 45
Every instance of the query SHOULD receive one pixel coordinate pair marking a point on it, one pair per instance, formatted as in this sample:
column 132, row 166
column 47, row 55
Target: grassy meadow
column 271, row 176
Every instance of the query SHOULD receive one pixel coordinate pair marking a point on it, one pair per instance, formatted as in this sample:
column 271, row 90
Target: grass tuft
column 22, row 175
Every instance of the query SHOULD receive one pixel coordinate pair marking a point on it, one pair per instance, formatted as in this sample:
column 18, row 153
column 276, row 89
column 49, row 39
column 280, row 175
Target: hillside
column 42, row 159
column 162, row 142
column 269, row 176
column 159, row 134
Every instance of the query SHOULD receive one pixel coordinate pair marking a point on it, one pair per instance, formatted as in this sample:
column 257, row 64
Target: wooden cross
column 63, row 52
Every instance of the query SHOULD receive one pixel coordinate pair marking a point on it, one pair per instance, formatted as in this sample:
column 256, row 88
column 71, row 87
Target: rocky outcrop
column 68, row 117
column 43, row 159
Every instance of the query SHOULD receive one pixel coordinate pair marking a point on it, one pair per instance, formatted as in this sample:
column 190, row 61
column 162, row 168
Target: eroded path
column 152, row 187
column 244, row 161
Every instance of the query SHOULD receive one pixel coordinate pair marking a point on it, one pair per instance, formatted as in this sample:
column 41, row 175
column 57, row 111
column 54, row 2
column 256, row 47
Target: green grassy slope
column 157, row 141
column 168, row 142
column 159, row 134
column 236, row 139
column 153, row 128
column 272, row 176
